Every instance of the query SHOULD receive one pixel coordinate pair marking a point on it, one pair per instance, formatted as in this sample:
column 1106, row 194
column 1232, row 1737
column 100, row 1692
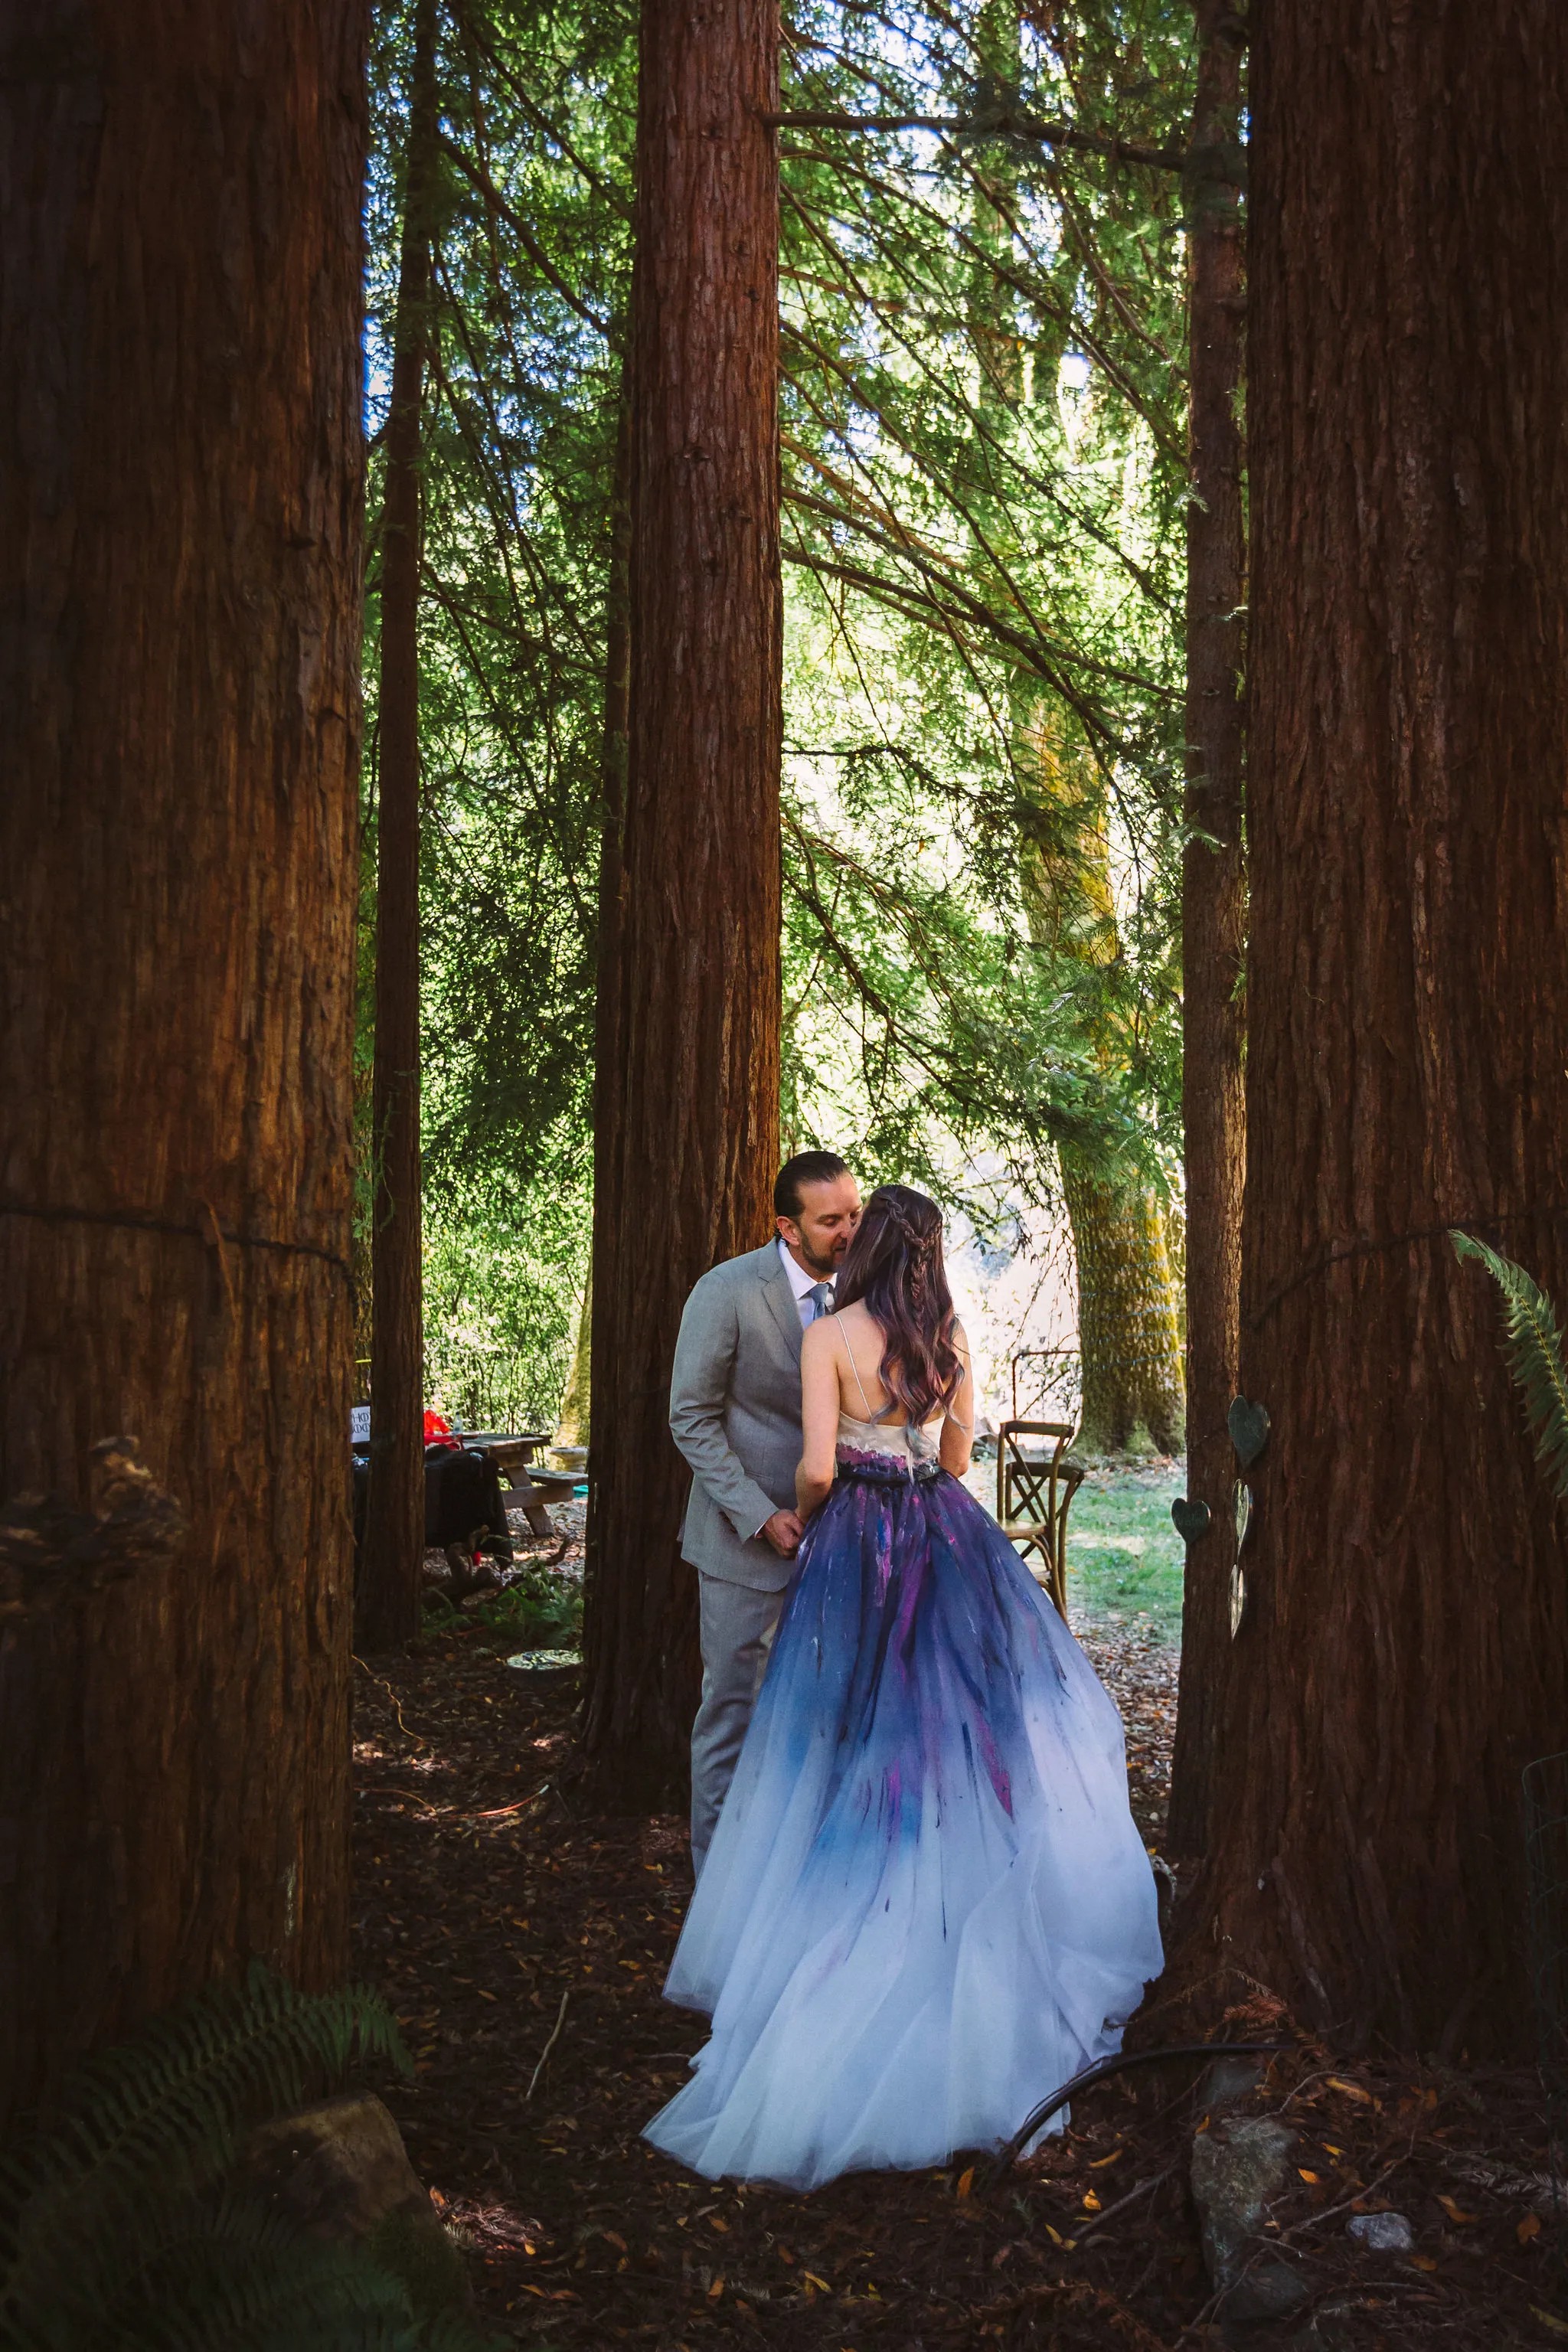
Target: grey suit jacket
column 734, row 1412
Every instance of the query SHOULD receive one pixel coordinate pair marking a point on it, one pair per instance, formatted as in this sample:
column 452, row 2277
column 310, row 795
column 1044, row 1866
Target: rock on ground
column 1238, row 2166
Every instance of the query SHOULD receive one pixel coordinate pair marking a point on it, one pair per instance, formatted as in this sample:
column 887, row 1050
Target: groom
column 734, row 1412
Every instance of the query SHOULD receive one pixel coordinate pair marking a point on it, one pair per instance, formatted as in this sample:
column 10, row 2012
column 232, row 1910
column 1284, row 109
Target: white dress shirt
column 802, row 1284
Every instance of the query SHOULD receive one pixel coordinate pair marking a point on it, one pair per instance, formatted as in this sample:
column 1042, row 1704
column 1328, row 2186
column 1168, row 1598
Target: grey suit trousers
column 738, row 1625
column 734, row 1412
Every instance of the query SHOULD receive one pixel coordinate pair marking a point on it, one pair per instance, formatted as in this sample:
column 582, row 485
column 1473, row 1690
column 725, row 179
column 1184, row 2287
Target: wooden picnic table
column 512, row 1455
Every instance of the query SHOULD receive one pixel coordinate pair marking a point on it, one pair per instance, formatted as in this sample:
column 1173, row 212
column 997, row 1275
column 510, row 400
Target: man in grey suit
column 734, row 1412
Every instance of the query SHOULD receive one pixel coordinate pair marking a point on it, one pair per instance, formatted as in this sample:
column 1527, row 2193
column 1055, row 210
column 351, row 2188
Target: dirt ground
column 524, row 1946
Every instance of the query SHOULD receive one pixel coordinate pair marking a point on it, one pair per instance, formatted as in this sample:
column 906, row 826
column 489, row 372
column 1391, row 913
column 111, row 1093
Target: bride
column 925, row 1905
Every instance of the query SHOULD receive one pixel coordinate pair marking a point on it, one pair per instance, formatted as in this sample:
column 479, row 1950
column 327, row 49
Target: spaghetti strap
column 854, row 1368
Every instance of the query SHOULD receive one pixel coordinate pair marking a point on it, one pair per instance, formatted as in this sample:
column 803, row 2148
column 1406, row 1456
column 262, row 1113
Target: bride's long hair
column 893, row 1266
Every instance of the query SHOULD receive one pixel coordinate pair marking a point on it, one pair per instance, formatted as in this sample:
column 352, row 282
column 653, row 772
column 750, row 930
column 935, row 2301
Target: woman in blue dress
column 926, row 1904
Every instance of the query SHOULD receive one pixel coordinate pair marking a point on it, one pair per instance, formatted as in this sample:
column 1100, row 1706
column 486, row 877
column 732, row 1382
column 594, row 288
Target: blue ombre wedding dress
column 926, row 1905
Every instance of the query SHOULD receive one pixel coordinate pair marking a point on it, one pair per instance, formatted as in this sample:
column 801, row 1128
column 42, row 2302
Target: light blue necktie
column 821, row 1297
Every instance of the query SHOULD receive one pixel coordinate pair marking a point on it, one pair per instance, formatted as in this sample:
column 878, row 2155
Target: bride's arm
column 818, row 1415
column 958, row 1430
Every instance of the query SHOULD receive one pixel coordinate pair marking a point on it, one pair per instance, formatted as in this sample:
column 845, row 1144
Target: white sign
column 358, row 1424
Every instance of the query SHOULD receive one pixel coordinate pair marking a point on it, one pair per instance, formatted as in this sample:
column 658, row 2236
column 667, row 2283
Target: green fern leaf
column 242, row 2278
column 167, row 2107
column 1532, row 1345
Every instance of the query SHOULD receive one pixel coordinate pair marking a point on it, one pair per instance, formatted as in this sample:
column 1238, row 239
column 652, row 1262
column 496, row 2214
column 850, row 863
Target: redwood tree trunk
column 179, row 466
column 393, row 1557
column 1407, row 997
column 688, row 1109
column 1213, row 907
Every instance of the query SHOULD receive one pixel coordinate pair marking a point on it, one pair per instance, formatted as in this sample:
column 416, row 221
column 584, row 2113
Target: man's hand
column 784, row 1531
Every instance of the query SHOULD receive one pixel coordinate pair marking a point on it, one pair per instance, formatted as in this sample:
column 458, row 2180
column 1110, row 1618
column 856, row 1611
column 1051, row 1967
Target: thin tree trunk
column 576, row 1412
column 393, row 1554
column 1213, row 907
column 1406, row 1646
column 180, row 490
column 688, row 1105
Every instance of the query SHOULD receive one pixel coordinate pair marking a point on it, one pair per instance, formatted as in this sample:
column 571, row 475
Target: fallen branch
column 1538, row 2191
column 560, row 2022
column 1121, row 2204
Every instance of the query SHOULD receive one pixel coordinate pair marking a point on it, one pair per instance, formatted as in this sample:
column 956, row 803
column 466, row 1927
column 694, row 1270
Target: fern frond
column 1533, row 1347
column 166, row 2107
column 243, row 2277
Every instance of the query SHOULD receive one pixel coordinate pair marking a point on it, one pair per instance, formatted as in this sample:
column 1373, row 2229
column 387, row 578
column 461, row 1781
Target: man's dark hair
column 805, row 1167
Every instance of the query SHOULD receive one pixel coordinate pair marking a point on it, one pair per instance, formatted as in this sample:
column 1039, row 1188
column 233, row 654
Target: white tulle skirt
column 926, row 1905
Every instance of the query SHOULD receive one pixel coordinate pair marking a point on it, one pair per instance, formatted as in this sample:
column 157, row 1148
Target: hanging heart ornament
column 1237, row 1601
column 1248, row 1427
column 1192, row 1518
column 1243, row 1499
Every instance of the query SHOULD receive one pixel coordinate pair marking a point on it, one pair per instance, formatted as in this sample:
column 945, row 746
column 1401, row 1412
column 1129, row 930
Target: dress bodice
column 899, row 1441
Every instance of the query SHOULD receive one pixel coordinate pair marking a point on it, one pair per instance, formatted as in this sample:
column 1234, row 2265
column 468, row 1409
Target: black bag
column 462, row 1498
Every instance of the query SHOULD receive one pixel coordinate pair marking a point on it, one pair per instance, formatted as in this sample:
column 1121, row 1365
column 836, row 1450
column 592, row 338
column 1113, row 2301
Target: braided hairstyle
column 894, row 1267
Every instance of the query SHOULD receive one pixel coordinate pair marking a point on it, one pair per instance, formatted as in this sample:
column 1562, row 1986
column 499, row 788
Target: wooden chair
column 1034, row 1492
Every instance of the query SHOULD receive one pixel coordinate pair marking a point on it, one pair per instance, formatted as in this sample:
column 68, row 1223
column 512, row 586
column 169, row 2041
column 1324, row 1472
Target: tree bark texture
column 1405, row 1649
column 577, row 1407
column 689, row 1107
column 1129, row 1350
column 180, row 468
column 393, row 1555
column 1213, row 907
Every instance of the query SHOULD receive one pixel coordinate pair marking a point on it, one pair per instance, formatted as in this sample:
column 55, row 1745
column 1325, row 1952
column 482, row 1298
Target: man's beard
column 823, row 1268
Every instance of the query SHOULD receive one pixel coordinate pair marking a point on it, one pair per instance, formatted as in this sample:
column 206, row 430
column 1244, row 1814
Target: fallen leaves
column 533, row 1905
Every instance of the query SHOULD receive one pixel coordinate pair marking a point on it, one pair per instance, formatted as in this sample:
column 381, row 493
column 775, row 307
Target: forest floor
column 524, row 1946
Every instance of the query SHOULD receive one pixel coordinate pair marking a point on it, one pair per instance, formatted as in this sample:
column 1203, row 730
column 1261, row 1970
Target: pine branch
column 1001, row 122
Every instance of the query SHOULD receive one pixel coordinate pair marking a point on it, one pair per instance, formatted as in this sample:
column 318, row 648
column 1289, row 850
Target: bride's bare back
column 839, row 1359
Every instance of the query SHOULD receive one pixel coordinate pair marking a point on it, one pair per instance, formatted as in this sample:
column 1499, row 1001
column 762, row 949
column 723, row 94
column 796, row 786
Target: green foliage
column 983, row 405
column 540, row 1609
column 1125, row 1559
column 121, row 2229
column 1532, row 1345
column 504, row 1270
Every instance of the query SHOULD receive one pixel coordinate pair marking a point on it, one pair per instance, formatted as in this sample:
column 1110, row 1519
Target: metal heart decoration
column 1248, row 1427
column 1243, row 1514
column 1237, row 1601
column 1192, row 1518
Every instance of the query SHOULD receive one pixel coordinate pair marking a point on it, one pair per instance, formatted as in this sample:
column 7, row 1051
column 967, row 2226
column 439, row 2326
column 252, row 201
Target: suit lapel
column 781, row 1299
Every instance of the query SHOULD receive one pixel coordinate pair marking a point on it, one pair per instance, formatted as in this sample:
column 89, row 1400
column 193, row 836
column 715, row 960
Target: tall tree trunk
column 1406, row 1646
column 393, row 1547
column 1129, row 1350
column 180, row 470
column 576, row 1412
column 689, row 1107
column 1213, row 905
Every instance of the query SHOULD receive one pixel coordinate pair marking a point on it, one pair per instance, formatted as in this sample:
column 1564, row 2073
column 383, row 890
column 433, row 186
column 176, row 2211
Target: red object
column 437, row 1431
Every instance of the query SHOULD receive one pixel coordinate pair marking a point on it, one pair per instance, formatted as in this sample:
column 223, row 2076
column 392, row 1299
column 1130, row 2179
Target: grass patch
column 1124, row 1555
